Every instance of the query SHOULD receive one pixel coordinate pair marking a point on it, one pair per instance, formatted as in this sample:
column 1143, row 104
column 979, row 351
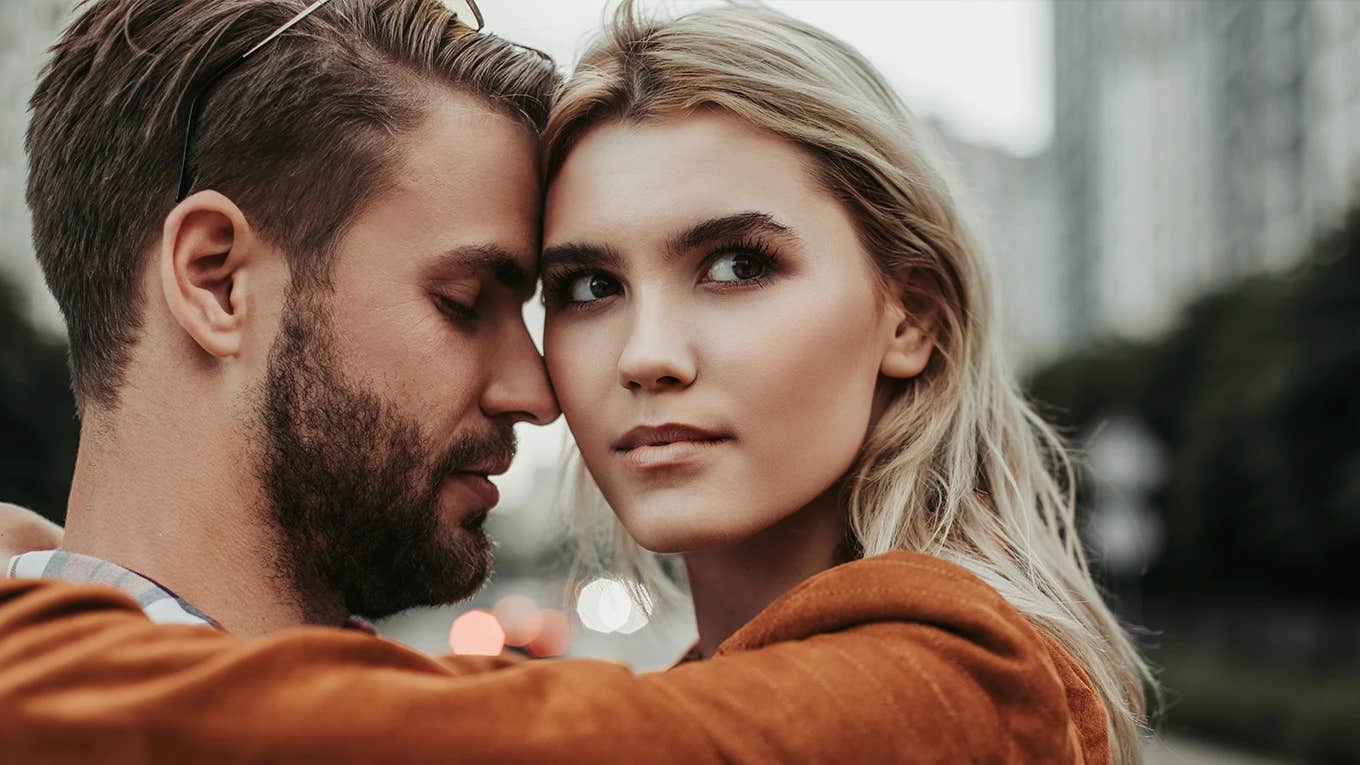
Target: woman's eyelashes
column 576, row 288
column 747, row 264
column 736, row 266
column 591, row 286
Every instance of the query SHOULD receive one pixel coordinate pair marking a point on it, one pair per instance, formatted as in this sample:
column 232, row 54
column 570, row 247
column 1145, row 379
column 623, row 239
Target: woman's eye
column 737, row 267
column 591, row 287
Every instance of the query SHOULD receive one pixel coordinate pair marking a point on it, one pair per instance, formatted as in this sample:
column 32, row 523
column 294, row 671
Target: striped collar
column 160, row 605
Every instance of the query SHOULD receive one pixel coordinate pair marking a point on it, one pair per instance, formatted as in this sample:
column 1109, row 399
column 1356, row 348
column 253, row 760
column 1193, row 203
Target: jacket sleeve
column 83, row 674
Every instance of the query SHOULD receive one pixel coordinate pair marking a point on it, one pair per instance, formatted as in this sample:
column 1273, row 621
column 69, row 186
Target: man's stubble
column 353, row 485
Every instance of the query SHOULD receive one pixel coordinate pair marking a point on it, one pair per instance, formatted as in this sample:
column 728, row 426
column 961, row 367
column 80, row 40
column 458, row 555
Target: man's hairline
column 394, row 159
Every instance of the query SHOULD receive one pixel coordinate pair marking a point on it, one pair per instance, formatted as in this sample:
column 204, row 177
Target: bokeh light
column 554, row 637
column 636, row 621
column 521, row 619
column 641, row 611
column 605, row 605
column 476, row 633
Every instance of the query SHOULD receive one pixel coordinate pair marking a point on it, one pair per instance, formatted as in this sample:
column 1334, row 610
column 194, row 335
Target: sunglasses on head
column 465, row 13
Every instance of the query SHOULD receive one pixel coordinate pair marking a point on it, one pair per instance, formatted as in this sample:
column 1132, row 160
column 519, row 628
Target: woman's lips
column 673, row 454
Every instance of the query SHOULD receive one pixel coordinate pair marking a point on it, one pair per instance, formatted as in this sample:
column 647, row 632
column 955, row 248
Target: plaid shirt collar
column 158, row 603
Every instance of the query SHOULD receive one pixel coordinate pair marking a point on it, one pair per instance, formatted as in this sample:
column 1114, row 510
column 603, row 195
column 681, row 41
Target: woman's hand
column 24, row 531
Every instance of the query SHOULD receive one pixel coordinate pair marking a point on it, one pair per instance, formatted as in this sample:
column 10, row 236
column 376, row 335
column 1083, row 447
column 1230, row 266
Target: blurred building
column 1010, row 205
column 29, row 28
column 1195, row 142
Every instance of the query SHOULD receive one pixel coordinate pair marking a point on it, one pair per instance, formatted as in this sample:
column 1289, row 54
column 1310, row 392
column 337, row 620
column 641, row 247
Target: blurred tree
column 1256, row 395
column 38, row 428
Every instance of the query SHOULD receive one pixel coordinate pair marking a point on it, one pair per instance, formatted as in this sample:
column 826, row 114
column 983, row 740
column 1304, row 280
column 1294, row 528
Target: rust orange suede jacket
column 897, row 658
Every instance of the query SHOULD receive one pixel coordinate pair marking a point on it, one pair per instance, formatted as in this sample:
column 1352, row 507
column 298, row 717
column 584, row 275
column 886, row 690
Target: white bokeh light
column 636, row 621
column 604, row 605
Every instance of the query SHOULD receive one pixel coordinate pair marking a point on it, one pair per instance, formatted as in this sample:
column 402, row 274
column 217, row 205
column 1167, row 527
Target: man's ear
column 912, row 341
column 204, row 244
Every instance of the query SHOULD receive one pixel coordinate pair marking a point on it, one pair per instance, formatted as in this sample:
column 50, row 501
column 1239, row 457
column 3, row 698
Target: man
column 293, row 290
column 294, row 380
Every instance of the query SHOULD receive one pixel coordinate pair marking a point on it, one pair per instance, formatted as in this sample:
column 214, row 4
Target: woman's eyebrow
column 580, row 254
column 736, row 226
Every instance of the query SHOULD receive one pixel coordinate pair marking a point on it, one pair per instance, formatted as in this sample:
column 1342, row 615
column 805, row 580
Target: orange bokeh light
column 476, row 633
column 555, row 636
column 520, row 617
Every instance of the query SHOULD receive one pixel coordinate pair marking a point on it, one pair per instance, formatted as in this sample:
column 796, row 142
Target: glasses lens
column 469, row 15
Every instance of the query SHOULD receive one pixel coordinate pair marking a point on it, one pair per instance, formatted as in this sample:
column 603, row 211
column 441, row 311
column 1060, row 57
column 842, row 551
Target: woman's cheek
column 582, row 377
column 810, row 391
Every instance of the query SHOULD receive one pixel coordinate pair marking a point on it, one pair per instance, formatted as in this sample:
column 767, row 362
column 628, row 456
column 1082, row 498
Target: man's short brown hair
column 300, row 137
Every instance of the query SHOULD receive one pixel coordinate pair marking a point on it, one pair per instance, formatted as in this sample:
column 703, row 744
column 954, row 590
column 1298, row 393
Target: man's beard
column 353, row 488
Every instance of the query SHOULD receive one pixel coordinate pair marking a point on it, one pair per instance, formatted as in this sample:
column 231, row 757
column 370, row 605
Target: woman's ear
column 912, row 341
column 204, row 243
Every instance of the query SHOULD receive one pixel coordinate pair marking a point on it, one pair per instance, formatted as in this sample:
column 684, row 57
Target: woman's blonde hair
column 959, row 466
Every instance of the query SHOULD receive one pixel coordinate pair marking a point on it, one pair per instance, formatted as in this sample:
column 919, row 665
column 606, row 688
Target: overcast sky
column 983, row 67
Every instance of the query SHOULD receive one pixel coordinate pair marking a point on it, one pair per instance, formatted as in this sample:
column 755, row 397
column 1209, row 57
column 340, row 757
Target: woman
column 774, row 342
column 771, row 340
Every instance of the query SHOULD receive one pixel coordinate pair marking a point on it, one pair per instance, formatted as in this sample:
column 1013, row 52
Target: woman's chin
column 676, row 534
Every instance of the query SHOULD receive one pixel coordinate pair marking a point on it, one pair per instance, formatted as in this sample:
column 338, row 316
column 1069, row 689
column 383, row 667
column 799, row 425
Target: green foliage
column 1256, row 395
column 1308, row 715
column 38, row 428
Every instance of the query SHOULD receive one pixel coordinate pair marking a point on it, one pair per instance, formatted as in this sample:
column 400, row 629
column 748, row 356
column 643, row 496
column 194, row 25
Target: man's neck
column 183, row 510
column 730, row 585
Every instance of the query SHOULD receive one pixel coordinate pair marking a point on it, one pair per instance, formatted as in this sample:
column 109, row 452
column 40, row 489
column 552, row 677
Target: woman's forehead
column 667, row 175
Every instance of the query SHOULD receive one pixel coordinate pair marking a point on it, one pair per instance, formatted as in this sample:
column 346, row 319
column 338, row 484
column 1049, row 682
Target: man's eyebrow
column 580, row 254
column 736, row 226
column 500, row 262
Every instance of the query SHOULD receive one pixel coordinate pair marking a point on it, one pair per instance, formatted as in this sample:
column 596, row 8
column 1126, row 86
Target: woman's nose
column 657, row 355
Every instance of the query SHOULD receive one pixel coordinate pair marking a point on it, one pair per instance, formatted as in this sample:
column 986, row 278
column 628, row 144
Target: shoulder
column 897, row 587
column 918, row 641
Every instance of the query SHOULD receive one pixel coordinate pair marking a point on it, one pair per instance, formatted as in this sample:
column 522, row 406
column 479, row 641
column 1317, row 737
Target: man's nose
column 519, row 388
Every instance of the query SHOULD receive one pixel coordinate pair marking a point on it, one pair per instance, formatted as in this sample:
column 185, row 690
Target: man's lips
column 481, row 491
column 652, row 447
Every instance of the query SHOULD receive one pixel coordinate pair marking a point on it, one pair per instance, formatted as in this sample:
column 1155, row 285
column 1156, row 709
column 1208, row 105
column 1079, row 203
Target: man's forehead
column 467, row 191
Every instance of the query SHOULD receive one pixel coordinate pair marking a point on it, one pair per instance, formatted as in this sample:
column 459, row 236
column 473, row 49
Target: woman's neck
column 733, row 583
